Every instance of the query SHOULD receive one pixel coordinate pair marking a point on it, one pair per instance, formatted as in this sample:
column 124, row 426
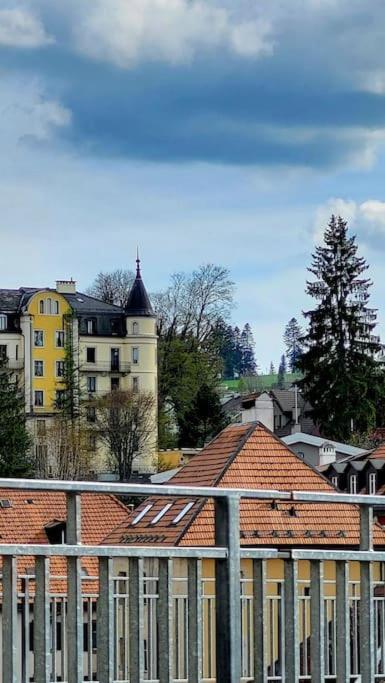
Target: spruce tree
column 341, row 376
column 14, row 438
column 282, row 373
column 272, row 368
column 247, row 344
column 292, row 338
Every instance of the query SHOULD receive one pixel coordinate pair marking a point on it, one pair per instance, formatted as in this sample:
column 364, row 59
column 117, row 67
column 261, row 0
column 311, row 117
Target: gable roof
column 30, row 512
column 246, row 456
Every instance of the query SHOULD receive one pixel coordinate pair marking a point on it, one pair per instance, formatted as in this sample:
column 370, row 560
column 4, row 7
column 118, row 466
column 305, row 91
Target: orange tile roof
column 248, row 456
column 23, row 523
column 378, row 453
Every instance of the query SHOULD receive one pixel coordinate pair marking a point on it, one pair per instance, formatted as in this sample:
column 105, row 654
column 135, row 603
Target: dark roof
column 286, row 399
column 138, row 303
column 83, row 303
column 10, row 299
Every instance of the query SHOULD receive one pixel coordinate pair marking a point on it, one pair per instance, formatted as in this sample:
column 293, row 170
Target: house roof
column 378, row 453
column 83, row 304
column 13, row 300
column 246, row 456
column 30, row 512
column 318, row 441
column 138, row 303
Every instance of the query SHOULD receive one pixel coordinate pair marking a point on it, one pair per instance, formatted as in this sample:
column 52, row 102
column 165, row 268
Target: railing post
column 227, row 591
column 367, row 646
column 74, row 592
column 317, row 620
column 342, row 622
column 136, row 619
column 9, row 619
column 260, row 625
column 165, row 615
column 291, row 622
column 41, row 622
column 105, row 621
column 194, row 588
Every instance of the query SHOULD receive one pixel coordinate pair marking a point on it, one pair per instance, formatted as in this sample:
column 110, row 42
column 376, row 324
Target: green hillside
column 258, row 383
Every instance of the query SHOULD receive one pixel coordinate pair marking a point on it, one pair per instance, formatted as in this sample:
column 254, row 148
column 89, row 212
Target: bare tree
column 125, row 421
column 194, row 303
column 67, row 449
column 113, row 288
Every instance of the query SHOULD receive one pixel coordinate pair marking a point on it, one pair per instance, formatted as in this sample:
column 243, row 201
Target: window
column 38, row 368
column 135, row 328
column 59, row 337
column 91, row 354
column 39, row 398
column 114, row 383
column 60, row 397
column 91, row 326
column 183, row 512
column 91, row 441
column 3, row 351
column 335, row 481
column 55, row 308
column 353, row 484
column 17, row 352
column 277, row 421
column 40, row 427
column 38, row 338
column 49, row 306
column 142, row 513
column 135, row 355
column 372, row 484
column 3, row 321
column 41, row 306
column 60, row 368
column 91, row 384
column 135, row 384
column 115, row 326
column 115, row 360
column 91, row 414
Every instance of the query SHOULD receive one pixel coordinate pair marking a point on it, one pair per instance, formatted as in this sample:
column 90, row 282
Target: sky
column 200, row 130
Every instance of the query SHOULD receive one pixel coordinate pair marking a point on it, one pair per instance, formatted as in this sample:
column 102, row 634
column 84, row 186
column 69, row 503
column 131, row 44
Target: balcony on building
column 107, row 367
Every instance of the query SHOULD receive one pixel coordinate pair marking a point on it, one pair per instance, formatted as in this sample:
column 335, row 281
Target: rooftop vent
column 5, row 503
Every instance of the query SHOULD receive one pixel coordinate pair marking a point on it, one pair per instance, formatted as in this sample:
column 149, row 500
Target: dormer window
column 135, row 328
column 353, row 484
column 56, row 532
column 91, row 326
column 335, row 481
column 372, row 484
column 3, row 321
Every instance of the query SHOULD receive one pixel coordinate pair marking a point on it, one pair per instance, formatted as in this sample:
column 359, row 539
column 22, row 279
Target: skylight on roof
column 5, row 503
column 161, row 513
column 141, row 514
column 183, row 512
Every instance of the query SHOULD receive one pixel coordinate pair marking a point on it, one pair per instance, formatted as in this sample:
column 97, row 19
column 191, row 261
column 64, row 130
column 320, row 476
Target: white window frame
column 34, row 367
column 91, row 377
column 3, row 322
column 372, row 483
column 135, row 355
column 335, row 481
column 135, row 328
column 353, row 481
column 35, row 333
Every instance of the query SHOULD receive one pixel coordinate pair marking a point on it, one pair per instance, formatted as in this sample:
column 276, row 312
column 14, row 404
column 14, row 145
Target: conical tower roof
column 139, row 304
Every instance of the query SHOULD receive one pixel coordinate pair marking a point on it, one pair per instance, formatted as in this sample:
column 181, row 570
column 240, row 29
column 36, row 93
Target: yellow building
column 109, row 347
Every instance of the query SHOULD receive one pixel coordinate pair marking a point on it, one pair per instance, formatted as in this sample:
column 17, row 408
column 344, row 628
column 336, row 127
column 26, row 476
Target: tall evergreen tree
column 247, row 344
column 292, row 338
column 342, row 380
column 282, row 373
column 14, row 438
column 272, row 368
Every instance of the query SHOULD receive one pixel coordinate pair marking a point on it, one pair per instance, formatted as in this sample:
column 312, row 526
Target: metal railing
column 168, row 618
column 123, row 366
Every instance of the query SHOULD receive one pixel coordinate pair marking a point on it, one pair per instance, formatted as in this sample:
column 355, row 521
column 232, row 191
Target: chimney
column 66, row 286
column 327, row 453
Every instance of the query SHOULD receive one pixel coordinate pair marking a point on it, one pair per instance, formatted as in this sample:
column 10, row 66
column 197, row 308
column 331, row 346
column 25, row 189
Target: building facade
column 44, row 332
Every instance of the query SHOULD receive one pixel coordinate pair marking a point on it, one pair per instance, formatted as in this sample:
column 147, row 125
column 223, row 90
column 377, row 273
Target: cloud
column 172, row 31
column 21, row 29
column 367, row 218
column 27, row 113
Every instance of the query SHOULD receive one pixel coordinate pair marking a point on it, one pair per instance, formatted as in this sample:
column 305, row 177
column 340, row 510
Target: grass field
column 261, row 381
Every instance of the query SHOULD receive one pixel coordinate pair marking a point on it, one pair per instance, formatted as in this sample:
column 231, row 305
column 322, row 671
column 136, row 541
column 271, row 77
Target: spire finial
column 137, row 263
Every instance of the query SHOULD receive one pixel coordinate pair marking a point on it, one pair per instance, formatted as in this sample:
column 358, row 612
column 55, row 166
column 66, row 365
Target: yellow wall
column 49, row 353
